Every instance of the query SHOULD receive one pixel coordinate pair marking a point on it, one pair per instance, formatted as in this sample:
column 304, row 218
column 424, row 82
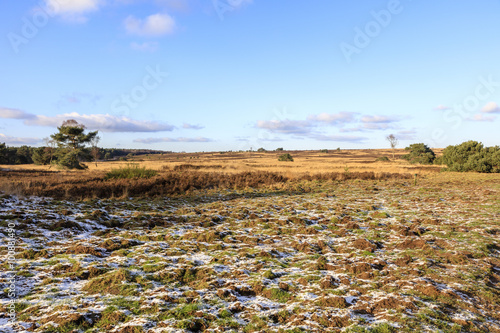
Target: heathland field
column 240, row 242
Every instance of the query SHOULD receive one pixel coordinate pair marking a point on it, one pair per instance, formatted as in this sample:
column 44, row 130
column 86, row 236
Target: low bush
column 383, row 159
column 419, row 153
column 285, row 158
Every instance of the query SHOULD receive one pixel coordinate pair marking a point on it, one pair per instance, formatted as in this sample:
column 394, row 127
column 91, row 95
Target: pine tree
column 71, row 140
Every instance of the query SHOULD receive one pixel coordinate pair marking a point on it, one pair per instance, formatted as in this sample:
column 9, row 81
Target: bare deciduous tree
column 50, row 149
column 95, row 150
column 394, row 143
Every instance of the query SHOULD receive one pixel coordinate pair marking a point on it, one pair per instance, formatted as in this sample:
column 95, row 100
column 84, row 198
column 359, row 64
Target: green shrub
column 419, row 153
column 471, row 156
column 383, row 159
column 285, row 158
column 131, row 171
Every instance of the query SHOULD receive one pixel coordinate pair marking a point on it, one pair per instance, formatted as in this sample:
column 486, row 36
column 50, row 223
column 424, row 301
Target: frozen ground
column 388, row 257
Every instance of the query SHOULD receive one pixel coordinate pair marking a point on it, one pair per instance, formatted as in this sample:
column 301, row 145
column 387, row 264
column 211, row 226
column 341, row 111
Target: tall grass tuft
column 131, row 171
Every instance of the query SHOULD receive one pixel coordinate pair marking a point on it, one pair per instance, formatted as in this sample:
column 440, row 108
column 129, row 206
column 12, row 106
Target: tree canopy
column 472, row 156
column 71, row 141
column 419, row 153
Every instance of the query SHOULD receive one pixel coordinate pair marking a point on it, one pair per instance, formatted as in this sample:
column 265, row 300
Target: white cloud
column 285, row 126
column 158, row 140
column 151, row 26
column 311, row 128
column 102, row 122
column 7, row 113
column 17, row 140
column 144, row 47
column 491, row 107
column 72, row 10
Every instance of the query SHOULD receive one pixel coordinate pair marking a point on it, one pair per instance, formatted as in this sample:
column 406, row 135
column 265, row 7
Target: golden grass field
column 188, row 173
column 309, row 162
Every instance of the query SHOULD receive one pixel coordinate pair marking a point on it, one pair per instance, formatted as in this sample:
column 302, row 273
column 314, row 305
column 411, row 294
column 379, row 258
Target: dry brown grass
column 188, row 172
column 311, row 162
column 167, row 183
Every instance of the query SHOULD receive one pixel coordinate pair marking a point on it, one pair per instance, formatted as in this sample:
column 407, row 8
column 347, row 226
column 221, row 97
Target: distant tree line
column 42, row 155
column 16, row 155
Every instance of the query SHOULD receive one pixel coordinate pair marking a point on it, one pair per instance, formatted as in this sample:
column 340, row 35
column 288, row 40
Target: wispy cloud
column 18, row 140
column 152, row 26
column 286, row 126
column 159, row 140
column 491, row 107
column 78, row 98
column 193, row 127
column 315, row 124
column 102, row 122
column 407, row 135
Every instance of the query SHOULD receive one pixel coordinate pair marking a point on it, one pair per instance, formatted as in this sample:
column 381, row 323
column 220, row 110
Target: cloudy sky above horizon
column 209, row 75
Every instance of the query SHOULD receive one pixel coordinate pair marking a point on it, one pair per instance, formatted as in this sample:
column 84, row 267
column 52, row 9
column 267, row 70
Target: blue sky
column 209, row 75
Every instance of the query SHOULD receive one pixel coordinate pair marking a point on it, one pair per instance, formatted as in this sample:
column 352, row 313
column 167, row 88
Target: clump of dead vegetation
column 145, row 184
